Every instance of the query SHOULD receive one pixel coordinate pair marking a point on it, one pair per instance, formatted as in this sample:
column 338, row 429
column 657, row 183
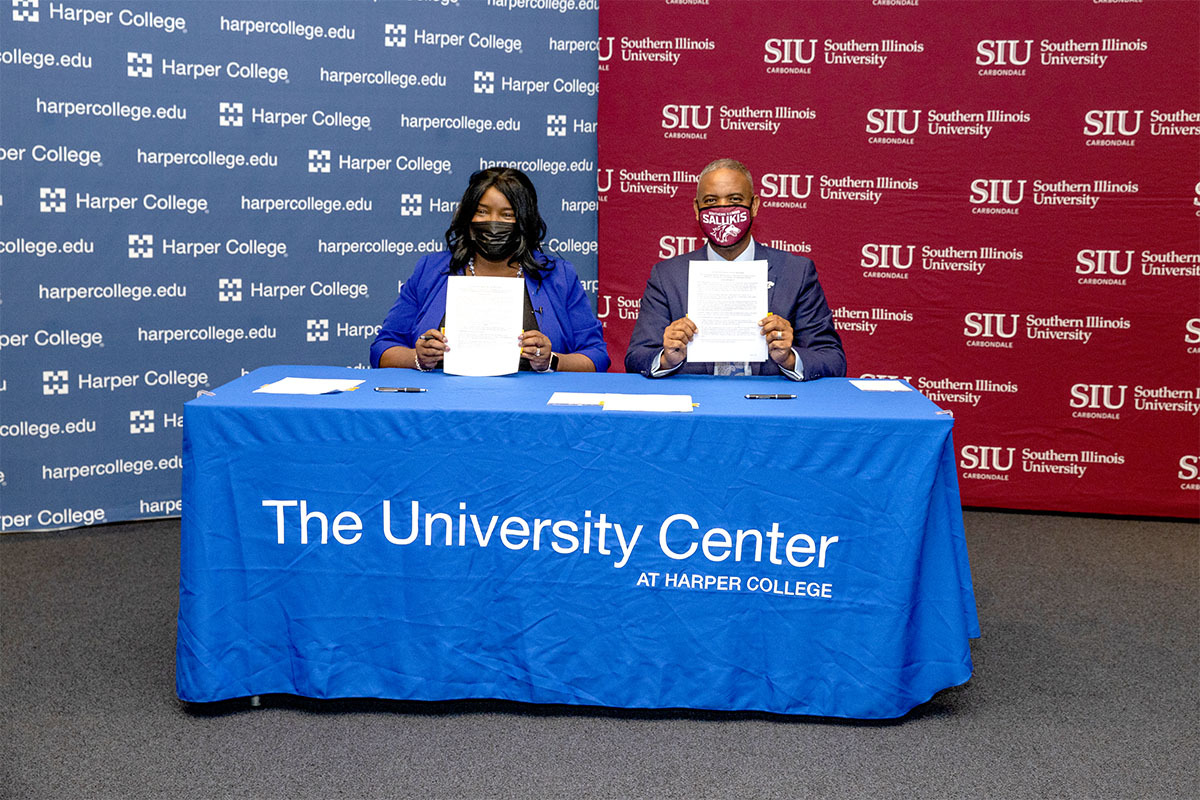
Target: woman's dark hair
column 518, row 189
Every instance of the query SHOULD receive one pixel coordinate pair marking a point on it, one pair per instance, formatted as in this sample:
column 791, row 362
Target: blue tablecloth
column 795, row 556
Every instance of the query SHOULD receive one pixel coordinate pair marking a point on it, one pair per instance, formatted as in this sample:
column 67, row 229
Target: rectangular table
column 794, row 556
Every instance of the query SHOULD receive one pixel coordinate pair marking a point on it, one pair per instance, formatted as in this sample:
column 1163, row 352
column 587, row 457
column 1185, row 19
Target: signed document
column 483, row 325
column 726, row 299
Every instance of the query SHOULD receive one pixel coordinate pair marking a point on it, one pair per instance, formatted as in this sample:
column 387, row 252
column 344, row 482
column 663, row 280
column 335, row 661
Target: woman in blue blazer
column 496, row 232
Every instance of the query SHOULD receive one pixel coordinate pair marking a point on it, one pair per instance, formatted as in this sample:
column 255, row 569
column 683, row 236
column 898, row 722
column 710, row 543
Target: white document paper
column 881, row 386
column 307, row 386
column 726, row 299
column 576, row 399
column 483, row 325
column 648, row 402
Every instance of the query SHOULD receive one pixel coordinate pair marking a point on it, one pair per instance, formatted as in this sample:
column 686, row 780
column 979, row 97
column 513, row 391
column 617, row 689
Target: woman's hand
column 431, row 348
column 536, row 347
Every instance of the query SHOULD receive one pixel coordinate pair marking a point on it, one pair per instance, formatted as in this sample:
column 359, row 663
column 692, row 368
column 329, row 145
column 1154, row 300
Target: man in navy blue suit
column 802, row 343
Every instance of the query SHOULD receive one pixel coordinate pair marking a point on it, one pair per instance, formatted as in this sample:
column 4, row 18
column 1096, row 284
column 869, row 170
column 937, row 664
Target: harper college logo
column 53, row 199
column 395, row 35
column 56, row 381
column 230, row 115
column 319, row 160
column 316, row 330
column 25, row 10
column 141, row 245
column 141, row 421
column 229, row 290
column 139, row 65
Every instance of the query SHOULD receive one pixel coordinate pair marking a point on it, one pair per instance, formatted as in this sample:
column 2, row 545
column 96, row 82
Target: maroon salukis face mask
column 725, row 225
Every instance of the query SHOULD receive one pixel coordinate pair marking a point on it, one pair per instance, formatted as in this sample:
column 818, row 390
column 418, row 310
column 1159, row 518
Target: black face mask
column 495, row 241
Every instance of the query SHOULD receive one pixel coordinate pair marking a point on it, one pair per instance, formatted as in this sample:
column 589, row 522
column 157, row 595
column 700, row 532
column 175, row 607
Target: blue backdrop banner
column 189, row 190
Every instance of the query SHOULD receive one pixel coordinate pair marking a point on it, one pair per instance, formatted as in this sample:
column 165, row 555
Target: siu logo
column 886, row 256
column 1189, row 468
column 986, row 459
column 605, row 50
column 671, row 246
column 676, row 117
column 603, row 180
column 1003, row 52
column 789, row 51
column 1103, row 262
column 893, row 120
column 994, row 191
column 1191, row 329
column 777, row 186
column 990, row 326
column 1098, row 395
column 1112, row 123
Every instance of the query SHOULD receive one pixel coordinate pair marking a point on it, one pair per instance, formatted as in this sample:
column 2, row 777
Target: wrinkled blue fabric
column 431, row 622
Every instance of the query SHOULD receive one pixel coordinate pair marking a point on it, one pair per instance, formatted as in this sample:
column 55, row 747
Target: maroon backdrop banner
column 1002, row 200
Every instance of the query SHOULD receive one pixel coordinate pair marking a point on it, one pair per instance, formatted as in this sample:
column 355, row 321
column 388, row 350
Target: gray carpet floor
column 1086, row 686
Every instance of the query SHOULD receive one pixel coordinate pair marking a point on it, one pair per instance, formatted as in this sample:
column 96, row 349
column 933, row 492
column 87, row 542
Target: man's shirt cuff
column 657, row 372
column 796, row 374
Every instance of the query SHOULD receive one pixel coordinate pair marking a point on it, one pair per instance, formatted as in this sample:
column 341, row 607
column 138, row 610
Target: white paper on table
column 726, row 299
column 648, row 402
column 483, row 325
column 576, row 399
column 307, row 386
column 881, row 386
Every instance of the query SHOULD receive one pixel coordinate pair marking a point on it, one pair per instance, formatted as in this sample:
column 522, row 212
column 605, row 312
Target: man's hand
column 675, row 342
column 778, row 333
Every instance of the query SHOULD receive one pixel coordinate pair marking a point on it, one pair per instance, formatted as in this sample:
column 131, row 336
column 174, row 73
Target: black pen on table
column 770, row 397
column 404, row 389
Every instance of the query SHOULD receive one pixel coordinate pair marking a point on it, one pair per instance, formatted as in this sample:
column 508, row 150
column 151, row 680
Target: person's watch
column 553, row 367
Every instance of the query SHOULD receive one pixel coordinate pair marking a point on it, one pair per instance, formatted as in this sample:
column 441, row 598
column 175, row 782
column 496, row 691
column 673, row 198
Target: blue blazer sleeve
column 566, row 315
column 573, row 327
column 399, row 327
